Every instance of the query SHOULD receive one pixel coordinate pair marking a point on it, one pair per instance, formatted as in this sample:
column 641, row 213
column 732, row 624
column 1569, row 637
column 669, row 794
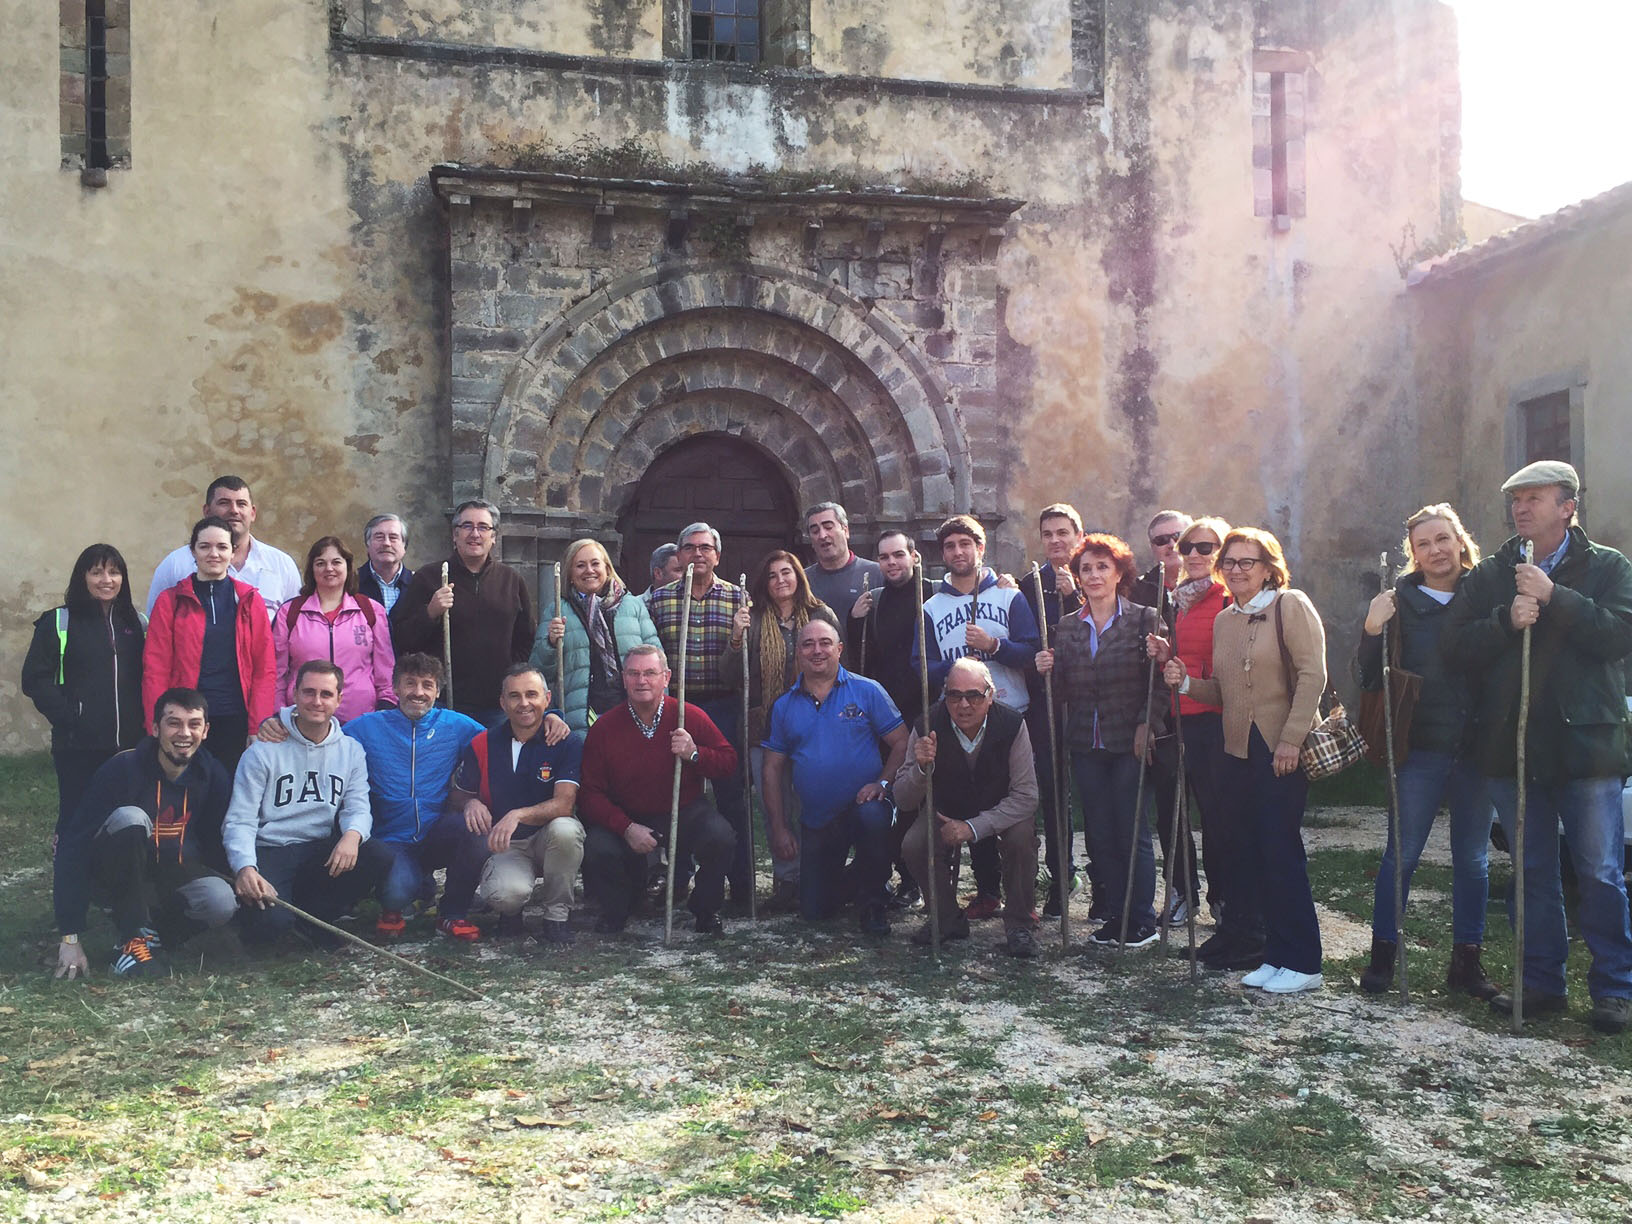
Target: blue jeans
column 1424, row 780
column 404, row 876
column 729, row 798
column 1108, row 784
column 1589, row 811
column 823, row 849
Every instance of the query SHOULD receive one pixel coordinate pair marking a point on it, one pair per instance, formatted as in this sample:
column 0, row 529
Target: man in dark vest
column 985, row 789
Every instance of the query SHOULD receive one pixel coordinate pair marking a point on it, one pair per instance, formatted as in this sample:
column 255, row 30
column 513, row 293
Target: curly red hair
column 1103, row 544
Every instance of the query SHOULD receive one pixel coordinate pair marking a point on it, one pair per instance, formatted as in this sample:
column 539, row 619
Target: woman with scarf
column 780, row 604
column 602, row 624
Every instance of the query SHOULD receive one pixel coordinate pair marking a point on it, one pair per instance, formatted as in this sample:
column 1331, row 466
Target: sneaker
column 556, row 933
column 982, row 907
column 1179, row 914
column 511, row 926
column 462, row 929
column 1611, row 1015
column 1019, row 943
column 1140, row 937
column 134, row 958
column 1535, row 1003
column 958, row 928
column 874, row 923
column 1260, row 976
column 391, row 924
column 1108, row 936
column 905, row 896
column 1290, row 981
column 709, row 924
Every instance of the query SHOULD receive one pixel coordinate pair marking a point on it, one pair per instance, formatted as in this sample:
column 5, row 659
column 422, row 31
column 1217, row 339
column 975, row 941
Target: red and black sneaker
column 390, row 925
column 983, row 906
column 461, row 929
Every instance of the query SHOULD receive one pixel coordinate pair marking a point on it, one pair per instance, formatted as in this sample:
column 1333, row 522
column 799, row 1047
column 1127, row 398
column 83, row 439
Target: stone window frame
column 94, row 85
column 1280, row 97
column 1522, row 396
column 784, row 33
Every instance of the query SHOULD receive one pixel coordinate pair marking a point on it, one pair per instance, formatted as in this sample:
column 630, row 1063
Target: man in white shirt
column 270, row 571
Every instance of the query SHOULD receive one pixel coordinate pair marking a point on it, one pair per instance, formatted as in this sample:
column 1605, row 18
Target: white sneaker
column 1179, row 914
column 1261, row 975
column 1290, row 981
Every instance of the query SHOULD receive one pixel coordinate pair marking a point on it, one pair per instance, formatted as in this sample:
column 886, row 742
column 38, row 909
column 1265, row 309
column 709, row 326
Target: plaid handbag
column 1335, row 742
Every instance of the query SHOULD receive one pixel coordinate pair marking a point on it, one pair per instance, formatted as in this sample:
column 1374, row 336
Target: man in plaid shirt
column 710, row 685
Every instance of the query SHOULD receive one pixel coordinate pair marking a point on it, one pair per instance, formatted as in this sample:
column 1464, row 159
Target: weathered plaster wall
column 631, row 28
column 1001, row 42
column 1547, row 320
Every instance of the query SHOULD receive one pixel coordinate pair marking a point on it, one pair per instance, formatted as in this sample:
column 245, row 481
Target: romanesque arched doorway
column 713, row 478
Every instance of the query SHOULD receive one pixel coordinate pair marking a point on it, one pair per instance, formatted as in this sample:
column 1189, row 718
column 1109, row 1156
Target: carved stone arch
column 856, row 362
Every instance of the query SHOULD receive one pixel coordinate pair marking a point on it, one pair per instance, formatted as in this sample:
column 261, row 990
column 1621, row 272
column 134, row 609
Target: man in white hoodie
column 299, row 821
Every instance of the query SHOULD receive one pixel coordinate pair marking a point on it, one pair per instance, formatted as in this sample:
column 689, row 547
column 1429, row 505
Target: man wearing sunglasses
column 985, row 791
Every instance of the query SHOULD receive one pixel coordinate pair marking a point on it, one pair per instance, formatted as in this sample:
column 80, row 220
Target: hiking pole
column 927, row 812
column 674, row 801
column 561, row 649
column 1186, row 868
column 1527, row 551
column 1139, row 793
column 366, row 946
column 1175, row 848
column 447, row 639
column 1393, row 795
column 861, row 654
column 1062, row 818
column 748, row 768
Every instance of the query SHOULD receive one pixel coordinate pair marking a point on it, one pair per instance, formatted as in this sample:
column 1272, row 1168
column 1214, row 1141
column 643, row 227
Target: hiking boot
column 874, row 923
column 709, row 924
column 462, row 929
column 1611, row 1015
column 555, row 933
column 982, row 907
column 1536, row 1003
column 1466, row 973
column 1379, row 975
column 390, row 925
column 135, row 958
column 958, row 928
column 1019, row 943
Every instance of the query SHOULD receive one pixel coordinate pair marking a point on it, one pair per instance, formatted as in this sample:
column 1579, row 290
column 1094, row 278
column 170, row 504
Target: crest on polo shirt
column 852, row 711
column 545, row 772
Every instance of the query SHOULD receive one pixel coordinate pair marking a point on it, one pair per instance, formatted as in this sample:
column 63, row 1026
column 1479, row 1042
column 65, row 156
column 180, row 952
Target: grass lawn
column 787, row 1071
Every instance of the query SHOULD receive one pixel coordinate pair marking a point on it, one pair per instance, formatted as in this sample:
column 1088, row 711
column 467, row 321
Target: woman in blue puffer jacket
column 600, row 624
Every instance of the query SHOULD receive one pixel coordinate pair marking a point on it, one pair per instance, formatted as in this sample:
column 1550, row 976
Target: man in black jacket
column 385, row 575
column 147, row 837
column 1576, row 598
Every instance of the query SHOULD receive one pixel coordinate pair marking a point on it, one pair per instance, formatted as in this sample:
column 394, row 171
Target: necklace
column 647, row 732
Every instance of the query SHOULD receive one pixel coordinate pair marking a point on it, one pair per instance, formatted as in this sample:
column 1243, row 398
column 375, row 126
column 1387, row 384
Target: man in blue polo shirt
column 829, row 727
column 510, row 811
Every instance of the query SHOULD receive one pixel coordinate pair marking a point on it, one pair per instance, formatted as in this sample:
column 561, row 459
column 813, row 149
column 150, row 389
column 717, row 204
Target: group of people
column 273, row 734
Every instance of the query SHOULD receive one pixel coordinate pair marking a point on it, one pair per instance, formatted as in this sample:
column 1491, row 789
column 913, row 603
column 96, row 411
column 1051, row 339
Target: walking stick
column 1062, row 819
column 1393, row 796
column 1139, row 793
column 748, row 769
column 861, row 654
column 1527, row 552
column 561, row 647
column 674, row 801
column 1176, row 849
column 1187, row 884
column 926, row 813
column 447, row 639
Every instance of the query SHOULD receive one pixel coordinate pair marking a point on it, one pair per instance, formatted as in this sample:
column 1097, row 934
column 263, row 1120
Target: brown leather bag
column 1406, row 688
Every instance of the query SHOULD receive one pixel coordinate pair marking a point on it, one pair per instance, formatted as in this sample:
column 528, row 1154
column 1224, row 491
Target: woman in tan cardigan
column 1269, row 670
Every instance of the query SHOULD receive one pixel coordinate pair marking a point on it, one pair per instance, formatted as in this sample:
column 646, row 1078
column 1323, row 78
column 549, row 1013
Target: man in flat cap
column 1576, row 598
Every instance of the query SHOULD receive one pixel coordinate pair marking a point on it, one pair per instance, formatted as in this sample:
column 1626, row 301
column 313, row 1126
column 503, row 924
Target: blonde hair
column 1274, row 559
column 578, row 546
column 1442, row 511
column 1207, row 523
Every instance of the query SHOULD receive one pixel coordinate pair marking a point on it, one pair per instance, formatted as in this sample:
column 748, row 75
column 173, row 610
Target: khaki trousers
column 1017, row 849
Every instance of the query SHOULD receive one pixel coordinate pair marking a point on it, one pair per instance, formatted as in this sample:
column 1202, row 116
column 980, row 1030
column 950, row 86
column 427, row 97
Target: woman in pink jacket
column 329, row 620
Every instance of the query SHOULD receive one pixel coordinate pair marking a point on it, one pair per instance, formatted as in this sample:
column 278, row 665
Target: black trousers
column 615, row 876
column 74, row 768
column 299, row 875
column 228, row 739
column 155, row 890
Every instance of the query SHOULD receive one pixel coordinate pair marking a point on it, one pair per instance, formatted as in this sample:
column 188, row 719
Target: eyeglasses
column 474, row 528
column 1162, row 541
column 698, row 548
column 1197, row 546
column 1238, row 563
column 969, row 697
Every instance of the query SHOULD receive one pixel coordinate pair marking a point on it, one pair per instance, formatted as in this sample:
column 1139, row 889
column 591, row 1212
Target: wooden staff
column 1393, row 796
column 927, row 812
column 747, row 766
column 561, row 647
column 674, row 801
column 1527, row 551
column 1062, row 818
column 1176, row 849
column 861, row 654
column 1139, row 792
column 447, row 639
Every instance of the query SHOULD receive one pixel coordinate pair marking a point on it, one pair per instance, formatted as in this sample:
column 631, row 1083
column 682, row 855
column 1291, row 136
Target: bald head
column 817, row 629
column 818, row 648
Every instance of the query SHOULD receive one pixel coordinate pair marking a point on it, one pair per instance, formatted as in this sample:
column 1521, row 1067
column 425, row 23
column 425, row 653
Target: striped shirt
column 711, row 616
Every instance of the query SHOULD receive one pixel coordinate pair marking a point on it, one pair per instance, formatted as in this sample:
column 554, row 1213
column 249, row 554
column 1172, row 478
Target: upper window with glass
column 725, row 30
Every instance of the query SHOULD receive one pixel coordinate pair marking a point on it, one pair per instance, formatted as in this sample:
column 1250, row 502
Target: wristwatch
column 695, row 753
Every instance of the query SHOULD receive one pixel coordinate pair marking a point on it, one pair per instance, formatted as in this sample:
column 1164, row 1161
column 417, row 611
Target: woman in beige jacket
column 1269, row 670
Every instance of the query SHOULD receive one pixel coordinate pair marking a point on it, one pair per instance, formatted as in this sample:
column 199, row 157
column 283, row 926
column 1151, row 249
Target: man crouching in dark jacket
column 1576, row 598
column 147, row 837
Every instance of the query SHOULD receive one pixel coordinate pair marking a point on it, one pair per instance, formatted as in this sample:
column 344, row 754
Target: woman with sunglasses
column 1269, row 670
column 1100, row 656
column 1197, row 601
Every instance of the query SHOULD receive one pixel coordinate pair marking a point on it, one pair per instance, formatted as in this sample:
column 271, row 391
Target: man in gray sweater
column 299, row 820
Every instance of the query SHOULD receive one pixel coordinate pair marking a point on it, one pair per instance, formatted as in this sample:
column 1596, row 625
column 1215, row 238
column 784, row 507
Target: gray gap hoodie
column 295, row 792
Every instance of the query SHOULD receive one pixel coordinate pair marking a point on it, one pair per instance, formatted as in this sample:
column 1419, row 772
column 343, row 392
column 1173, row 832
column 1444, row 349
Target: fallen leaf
column 536, row 1120
column 929, row 1060
column 990, row 1113
column 450, row 1154
column 575, row 1181
column 8, row 1011
column 1095, row 1136
column 1154, row 1186
column 1308, row 1130
column 34, row 1179
column 515, row 1094
column 186, row 1090
column 274, row 1054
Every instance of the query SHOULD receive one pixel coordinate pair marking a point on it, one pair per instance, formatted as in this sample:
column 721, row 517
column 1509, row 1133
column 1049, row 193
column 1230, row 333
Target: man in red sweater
column 628, row 779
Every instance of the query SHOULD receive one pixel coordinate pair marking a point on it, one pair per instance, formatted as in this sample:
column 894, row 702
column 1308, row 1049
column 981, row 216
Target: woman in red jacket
column 1198, row 598
column 210, row 632
column 330, row 620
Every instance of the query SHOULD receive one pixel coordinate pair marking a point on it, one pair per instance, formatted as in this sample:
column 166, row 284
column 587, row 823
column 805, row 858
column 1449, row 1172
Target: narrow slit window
column 94, row 94
column 1278, row 125
column 1546, row 421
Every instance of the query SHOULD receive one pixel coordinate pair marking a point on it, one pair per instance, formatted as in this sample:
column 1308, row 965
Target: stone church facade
column 624, row 264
